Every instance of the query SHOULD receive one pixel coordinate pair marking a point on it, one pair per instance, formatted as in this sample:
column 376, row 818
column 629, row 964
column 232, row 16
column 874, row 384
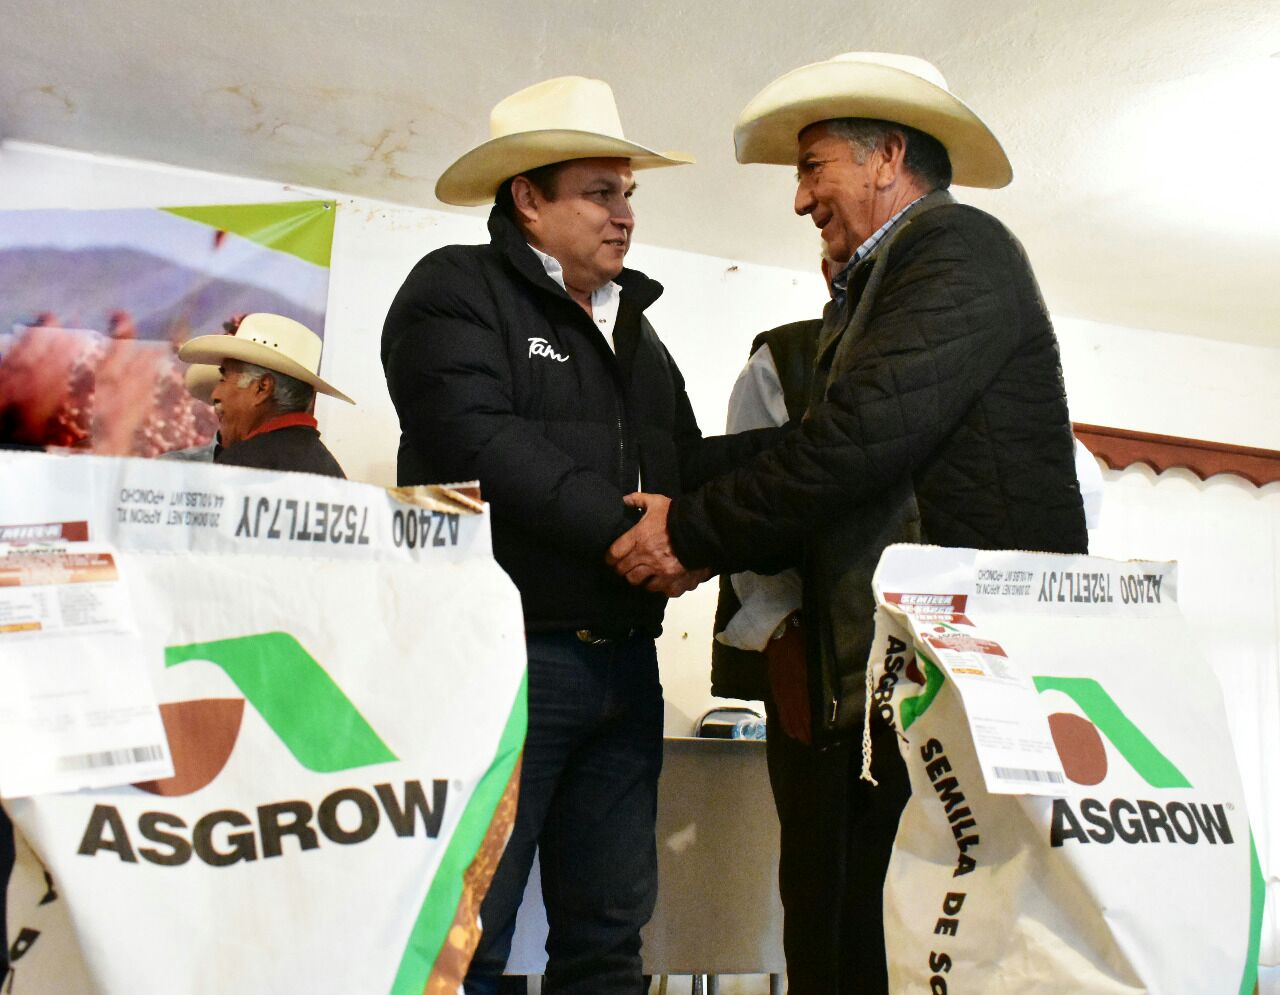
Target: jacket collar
column 857, row 273
column 837, row 317
column 638, row 290
column 937, row 198
column 288, row 420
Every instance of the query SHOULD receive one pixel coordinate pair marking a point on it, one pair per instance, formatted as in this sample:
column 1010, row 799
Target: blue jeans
column 588, row 805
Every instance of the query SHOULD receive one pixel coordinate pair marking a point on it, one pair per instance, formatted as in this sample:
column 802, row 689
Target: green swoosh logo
column 291, row 691
column 913, row 708
column 1099, row 707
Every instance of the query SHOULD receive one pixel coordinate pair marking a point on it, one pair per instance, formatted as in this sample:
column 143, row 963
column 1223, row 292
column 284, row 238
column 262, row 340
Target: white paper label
column 1006, row 717
column 76, row 707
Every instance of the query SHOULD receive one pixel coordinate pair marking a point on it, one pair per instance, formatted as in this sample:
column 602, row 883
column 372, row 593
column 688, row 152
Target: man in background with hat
column 268, row 378
column 200, row 379
column 938, row 415
column 528, row 364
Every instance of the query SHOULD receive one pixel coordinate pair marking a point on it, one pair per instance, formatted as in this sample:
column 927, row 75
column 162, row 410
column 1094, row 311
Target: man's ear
column 525, row 197
column 264, row 388
column 892, row 152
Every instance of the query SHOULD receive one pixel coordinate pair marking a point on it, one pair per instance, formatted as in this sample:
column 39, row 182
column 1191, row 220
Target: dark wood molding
column 1121, row 447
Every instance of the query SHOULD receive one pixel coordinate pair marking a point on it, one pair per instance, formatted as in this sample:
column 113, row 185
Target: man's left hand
column 643, row 554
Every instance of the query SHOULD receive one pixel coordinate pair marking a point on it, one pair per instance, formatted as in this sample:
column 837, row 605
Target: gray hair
column 291, row 394
column 926, row 158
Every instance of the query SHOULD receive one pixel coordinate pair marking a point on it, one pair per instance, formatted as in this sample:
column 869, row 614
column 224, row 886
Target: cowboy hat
column 569, row 117
column 897, row 88
column 271, row 341
column 200, row 379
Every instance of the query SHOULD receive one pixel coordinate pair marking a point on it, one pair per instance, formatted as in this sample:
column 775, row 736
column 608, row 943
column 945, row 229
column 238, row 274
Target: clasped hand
column 643, row 554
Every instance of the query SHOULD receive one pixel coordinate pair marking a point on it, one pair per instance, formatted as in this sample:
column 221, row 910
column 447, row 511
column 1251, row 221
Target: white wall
column 1225, row 532
column 1171, row 384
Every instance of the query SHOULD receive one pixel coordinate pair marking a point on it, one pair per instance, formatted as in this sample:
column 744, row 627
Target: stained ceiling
column 1143, row 133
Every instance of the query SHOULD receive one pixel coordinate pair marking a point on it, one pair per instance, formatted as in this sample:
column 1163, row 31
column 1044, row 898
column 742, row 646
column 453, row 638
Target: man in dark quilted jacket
column 938, row 415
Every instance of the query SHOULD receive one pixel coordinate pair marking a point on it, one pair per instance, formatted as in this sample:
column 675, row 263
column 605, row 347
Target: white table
column 718, row 907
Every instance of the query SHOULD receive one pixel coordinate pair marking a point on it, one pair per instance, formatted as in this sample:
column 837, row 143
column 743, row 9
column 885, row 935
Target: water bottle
column 749, row 727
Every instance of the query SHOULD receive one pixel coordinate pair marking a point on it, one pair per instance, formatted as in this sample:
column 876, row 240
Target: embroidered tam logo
column 540, row 347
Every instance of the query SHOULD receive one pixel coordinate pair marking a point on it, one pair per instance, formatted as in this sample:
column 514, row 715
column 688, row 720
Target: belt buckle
column 591, row 638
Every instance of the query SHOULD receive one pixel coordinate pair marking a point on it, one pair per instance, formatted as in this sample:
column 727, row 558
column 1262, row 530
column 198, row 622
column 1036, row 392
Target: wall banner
column 94, row 305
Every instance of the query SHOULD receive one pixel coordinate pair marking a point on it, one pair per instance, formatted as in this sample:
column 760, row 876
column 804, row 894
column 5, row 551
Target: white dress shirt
column 604, row 300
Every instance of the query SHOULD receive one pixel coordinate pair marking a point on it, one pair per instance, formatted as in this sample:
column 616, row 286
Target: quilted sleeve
column 945, row 321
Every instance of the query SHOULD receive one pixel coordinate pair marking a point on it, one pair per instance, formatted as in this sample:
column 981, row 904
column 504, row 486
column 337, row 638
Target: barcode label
column 110, row 758
column 1022, row 774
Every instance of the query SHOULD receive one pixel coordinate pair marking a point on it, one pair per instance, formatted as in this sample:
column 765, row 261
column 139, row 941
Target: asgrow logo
column 309, row 713
column 1079, row 742
column 1079, row 738
column 313, row 720
column 1084, row 759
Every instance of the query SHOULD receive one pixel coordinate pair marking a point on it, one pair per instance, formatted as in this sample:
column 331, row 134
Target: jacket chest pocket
column 563, row 381
column 548, row 363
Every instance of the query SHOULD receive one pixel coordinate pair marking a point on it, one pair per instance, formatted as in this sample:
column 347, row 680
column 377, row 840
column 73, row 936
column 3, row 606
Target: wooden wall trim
column 1121, row 447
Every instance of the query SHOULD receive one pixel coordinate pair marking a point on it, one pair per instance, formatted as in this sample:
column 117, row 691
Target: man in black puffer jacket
column 939, row 415
column 528, row 363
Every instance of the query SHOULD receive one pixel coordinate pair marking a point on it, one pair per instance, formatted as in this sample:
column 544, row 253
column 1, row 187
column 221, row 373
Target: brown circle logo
column 201, row 736
column 1084, row 758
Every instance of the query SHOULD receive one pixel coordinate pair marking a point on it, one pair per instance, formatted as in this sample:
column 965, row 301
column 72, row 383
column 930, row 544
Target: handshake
column 643, row 554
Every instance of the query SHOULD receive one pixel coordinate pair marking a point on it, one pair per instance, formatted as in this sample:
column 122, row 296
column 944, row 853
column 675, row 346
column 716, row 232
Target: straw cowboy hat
column 897, row 88
column 569, row 117
column 270, row 341
column 200, row 379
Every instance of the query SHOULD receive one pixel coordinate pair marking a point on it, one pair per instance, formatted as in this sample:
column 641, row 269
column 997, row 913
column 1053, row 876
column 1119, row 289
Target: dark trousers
column 588, row 804
column 837, row 832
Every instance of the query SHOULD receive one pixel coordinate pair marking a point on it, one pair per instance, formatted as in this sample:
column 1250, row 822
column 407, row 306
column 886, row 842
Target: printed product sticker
column 1010, row 729
column 76, row 707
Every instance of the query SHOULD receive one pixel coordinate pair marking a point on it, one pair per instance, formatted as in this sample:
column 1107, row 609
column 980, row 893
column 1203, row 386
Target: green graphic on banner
column 913, row 708
column 440, row 906
column 302, row 228
column 1099, row 707
column 295, row 696
column 1257, row 904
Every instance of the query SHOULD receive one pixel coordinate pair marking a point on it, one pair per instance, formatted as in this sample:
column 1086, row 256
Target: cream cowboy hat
column 569, row 117
column 200, row 379
column 271, row 341
column 897, row 88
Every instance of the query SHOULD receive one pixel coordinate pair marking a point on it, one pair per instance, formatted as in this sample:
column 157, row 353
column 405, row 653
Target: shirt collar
column 599, row 296
column 841, row 281
column 507, row 238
